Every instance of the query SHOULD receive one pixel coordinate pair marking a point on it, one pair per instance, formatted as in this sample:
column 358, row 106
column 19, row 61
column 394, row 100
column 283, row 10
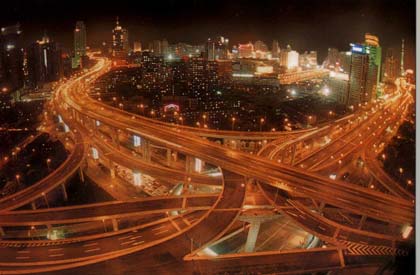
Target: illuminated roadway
column 358, row 200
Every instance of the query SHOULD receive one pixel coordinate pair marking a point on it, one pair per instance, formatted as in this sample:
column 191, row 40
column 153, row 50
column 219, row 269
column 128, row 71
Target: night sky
column 304, row 24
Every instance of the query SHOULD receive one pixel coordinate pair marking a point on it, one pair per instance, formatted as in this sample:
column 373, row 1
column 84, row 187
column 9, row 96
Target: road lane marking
column 55, row 249
column 137, row 243
column 56, row 255
column 89, row 244
column 161, row 232
column 157, row 228
column 22, row 258
column 175, row 225
column 128, row 242
column 126, row 237
column 24, row 251
column 136, row 237
column 91, row 250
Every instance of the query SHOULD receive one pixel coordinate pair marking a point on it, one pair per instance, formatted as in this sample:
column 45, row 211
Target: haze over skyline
column 306, row 25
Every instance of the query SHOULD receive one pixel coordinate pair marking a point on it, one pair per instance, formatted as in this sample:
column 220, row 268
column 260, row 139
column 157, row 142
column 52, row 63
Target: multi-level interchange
column 355, row 226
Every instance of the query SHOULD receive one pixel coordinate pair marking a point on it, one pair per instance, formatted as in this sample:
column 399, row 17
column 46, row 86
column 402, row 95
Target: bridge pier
column 33, row 205
column 63, row 189
column 2, row 233
column 168, row 157
column 115, row 137
column 81, row 175
column 361, row 222
column 292, row 161
column 115, row 224
column 255, row 220
column 252, row 236
column 188, row 164
column 145, row 146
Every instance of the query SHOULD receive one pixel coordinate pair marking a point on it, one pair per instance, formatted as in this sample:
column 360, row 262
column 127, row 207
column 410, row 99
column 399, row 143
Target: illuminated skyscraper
column 11, row 58
column 390, row 71
column 246, row 50
column 119, row 42
column 402, row 72
column 137, row 46
column 79, row 43
column 275, row 49
column 375, row 61
column 217, row 49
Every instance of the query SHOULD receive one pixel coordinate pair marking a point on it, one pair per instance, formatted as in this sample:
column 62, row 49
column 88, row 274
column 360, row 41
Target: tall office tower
column 343, row 62
column 157, row 47
column 289, row 59
column 390, row 70
column 210, row 53
column 246, row 50
column 402, row 71
column 137, row 46
column 275, row 49
column 308, row 60
column 359, row 66
column 118, row 41
column 79, row 44
column 374, row 51
column 197, row 79
column 126, row 43
column 260, row 46
column 44, row 62
column 217, row 49
column 11, row 58
column 164, row 47
column 332, row 58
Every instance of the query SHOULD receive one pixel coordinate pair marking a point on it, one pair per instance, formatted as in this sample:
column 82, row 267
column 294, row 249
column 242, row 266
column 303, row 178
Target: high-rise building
column 275, row 49
column 125, row 41
column 137, row 46
column 246, row 50
column 11, row 58
column 375, row 61
column 118, row 42
column 308, row 60
column 157, row 47
column 165, row 47
column 390, row 70
column 332, row 59
column 365, row 69
column 79, row 43
column 359, row 66
column 402, row 71
column 44, row 62
column 289, row 59
column 217, row 49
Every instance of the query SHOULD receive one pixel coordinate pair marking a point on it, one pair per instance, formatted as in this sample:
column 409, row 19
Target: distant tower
column 79, row 43
column 402, row 58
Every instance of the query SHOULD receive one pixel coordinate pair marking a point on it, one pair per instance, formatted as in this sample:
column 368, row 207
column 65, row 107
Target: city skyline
column 332, row 23
column 208, row 137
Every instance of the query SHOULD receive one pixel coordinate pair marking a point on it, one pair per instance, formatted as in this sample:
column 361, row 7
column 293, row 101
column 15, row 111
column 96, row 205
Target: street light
column 262, row 120
column 182, row 120
column 48, row 161
column 17, row 178
column 233, row 122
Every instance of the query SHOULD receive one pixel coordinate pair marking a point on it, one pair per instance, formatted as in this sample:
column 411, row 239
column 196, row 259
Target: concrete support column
column 65, row 195
column 362, row 222
column 115, row 138
column 175, row 154
column 146, row 150
column 115, row 224
column 168, row 157
column 2, row 233
column 252, row 236
column 292, row 161
column 33, row 205
column 81, row 175
column 189, row 162
column 111, row 168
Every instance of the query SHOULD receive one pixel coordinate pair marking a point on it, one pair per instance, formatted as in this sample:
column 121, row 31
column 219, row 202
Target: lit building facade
column 79, row 43
column 11, row 58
